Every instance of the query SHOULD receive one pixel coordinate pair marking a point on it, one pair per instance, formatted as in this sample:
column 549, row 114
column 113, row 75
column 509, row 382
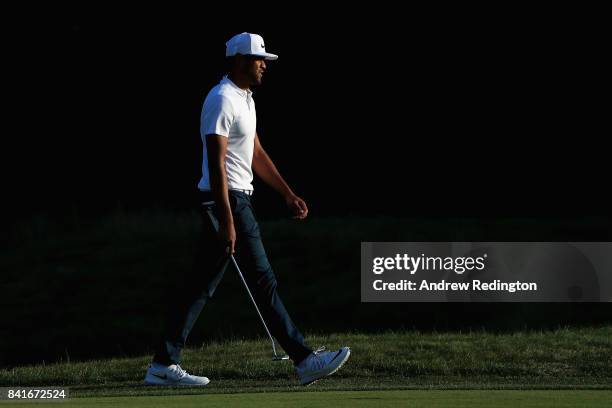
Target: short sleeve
column 217, row 116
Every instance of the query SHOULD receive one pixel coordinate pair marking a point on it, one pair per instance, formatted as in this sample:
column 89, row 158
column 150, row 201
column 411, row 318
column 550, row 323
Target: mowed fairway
column 563, row 368
column 354, row 399
column 572, row 360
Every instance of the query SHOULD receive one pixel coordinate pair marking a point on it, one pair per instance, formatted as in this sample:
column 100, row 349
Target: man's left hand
column 297, row 206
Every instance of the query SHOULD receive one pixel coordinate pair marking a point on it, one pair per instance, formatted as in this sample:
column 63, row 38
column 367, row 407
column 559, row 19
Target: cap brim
column 266, row 55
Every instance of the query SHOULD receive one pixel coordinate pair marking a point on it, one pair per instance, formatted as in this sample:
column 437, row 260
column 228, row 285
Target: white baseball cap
column 248, row 44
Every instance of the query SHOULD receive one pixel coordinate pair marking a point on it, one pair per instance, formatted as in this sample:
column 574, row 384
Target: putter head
column 280, row 358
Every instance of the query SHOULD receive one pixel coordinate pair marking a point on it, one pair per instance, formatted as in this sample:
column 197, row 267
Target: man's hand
column 227, row 236
column 297, row 206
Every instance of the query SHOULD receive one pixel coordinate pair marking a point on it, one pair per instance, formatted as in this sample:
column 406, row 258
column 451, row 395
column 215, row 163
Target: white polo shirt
column 230, row 112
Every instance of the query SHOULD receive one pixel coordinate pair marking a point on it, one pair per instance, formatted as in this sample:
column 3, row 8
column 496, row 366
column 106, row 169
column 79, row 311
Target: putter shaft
column 208, row 205
column 276, row 356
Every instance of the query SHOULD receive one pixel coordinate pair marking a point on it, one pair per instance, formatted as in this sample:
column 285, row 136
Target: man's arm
column 216, row 148
column 265, row 168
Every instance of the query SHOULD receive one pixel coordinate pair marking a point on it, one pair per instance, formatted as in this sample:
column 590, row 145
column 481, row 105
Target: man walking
column 231, row 151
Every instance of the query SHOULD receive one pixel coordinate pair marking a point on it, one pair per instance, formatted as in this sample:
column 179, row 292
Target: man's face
column 253, row 68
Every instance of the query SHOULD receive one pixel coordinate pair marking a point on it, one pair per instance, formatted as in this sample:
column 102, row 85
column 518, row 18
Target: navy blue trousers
column 209, row 266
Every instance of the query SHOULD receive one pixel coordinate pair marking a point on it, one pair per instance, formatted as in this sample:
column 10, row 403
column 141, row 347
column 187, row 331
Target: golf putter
column 275, row 356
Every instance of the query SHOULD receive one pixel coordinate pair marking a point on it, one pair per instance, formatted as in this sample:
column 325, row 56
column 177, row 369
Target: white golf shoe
column 159, row 374
column 320, row 364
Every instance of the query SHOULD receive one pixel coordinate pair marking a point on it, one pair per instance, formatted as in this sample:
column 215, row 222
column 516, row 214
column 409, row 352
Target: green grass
column 357, row 399
column 93, row 295
column 563, row 359
column 76, row 289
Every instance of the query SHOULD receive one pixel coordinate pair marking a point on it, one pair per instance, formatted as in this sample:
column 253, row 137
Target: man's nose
column 263, row 64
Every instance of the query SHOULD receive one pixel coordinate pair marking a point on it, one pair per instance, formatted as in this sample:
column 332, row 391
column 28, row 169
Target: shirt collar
column 245, row 93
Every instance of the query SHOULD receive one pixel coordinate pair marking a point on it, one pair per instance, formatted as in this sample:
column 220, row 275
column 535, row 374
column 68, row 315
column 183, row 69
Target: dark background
column 414, row 124
column 415, row 112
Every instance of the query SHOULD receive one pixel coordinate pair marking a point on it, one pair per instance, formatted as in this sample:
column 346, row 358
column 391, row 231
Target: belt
column 208, row 194
column 247, row 192
column 208, row 199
